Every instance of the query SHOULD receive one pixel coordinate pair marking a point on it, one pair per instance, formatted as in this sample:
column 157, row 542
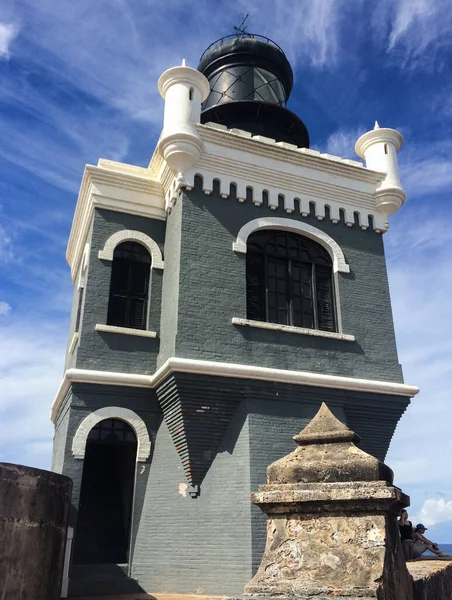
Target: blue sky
column 79, row 82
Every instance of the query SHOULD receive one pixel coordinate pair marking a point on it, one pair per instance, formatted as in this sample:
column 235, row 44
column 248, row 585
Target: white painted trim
column 112, row 412
column 333, row 248
column 73, row 343
column 117, row 187
column 137, row 236
column 220, row 369
column 125, row 330
column 290, row 329
column 101, row 377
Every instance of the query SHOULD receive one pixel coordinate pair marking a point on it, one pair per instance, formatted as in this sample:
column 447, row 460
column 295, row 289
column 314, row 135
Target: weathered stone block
column 331, row 528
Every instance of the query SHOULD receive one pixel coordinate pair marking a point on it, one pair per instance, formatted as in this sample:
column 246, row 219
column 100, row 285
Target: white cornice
column 282, row 152
column 303, row 177
column 220, row 369
column 112, row 186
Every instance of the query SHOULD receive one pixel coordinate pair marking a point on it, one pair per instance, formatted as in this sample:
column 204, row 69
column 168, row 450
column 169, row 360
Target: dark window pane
column 136, row 313
column 119, row 276
column 292, row 283
column 129, row 286
column 117, row 311
column 325, row 309
column 255, row 285
column 139, row 275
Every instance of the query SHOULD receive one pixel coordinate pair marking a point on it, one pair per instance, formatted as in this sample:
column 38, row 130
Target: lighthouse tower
column 221, row 295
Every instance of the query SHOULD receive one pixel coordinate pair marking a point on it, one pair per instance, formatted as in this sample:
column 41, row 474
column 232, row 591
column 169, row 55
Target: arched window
column 289, row 281
column 129, row 285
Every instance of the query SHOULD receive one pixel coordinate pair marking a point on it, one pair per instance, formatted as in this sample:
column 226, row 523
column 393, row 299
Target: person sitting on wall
column 421, row 543
column 406, row 535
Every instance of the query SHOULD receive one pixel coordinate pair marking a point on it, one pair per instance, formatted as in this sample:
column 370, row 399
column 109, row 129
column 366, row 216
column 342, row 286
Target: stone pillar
column 332, row 521
column 34, row 509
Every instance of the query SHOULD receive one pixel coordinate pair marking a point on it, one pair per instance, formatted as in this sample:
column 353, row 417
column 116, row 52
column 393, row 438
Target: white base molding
column 221, row 369
column 291, row 329
column 125, row 330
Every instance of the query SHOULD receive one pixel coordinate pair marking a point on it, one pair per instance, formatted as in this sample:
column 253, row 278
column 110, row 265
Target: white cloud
column 7, row 33
column 419, row 261
column 419, row 31
column 307, row 30
column 342, row 142
column 31, row 367
column 5, row 308
column 434, row 510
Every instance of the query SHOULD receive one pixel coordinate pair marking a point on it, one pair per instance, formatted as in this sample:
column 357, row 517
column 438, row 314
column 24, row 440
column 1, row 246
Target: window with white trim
column 289, row 280
column 129, row 286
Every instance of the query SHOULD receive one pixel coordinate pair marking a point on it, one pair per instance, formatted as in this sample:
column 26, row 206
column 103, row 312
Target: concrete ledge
column 151, row 597
column 290, row 329
column 432, row 578
column 125, row 330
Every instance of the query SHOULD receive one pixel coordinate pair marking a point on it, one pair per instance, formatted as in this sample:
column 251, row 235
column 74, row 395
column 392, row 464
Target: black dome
column 250, row 81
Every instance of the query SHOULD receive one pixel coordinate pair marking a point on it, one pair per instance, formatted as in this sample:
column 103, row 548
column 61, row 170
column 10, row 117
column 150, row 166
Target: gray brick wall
column 213, row 544
column 197, row 545
column 170, row 288
column 110, row 351
column 213, row 290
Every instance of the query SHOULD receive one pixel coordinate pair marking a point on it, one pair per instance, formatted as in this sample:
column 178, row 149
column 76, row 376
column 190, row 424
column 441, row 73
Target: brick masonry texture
column 212, row 290
column 111, row 351
column 170, row 288
column 217, row 539
column 213, row 544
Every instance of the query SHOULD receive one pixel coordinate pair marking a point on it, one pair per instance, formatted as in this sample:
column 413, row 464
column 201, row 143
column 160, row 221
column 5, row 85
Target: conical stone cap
column 327, row 453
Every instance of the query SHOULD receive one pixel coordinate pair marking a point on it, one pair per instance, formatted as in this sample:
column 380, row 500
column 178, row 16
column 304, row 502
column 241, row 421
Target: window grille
column 129, row 286
column 289, row 281
column 112, row 430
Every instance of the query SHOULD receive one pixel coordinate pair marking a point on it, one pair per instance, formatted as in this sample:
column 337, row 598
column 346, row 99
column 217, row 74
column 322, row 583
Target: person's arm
column 426, row 541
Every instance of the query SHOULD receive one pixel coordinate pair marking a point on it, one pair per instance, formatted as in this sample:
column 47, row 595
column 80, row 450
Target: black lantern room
column 250, row 82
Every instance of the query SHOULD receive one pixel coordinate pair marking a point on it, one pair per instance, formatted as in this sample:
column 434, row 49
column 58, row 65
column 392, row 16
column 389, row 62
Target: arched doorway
column 106, row 496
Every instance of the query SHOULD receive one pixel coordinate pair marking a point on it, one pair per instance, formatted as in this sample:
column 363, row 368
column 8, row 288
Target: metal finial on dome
column 376, row 126
column 184, row 64
column 242, row 28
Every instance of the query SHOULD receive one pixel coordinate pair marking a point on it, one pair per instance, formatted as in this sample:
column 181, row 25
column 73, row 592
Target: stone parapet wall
column 432, row 579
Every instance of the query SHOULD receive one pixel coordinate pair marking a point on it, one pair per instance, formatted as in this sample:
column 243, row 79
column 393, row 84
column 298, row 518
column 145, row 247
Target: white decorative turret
column 379, row 148
column 183, row 89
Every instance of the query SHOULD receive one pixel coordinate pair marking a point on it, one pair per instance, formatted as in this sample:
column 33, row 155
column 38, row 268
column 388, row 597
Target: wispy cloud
column 308, row 30
column 36, row 362
column 418, row 262
column 6, row 252
column 5, row 308
column 8, row 32
column 427, row 173
column 420, row 29
column 342, row 142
